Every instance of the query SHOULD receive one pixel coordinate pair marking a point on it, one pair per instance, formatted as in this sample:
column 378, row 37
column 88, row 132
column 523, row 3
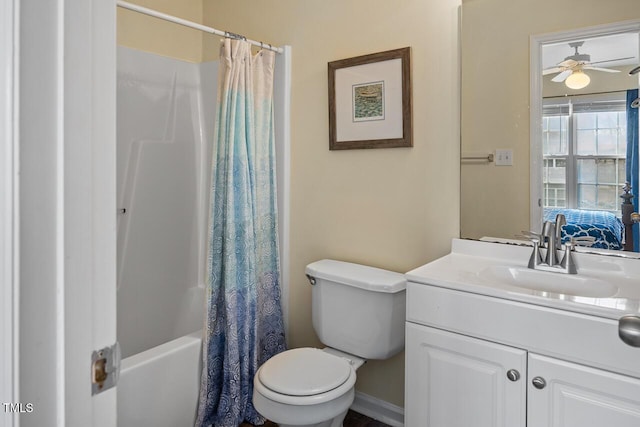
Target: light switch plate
column 504, row 157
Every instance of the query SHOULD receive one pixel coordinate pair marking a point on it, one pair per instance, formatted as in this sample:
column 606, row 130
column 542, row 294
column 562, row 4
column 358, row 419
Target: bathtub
column 159, row 387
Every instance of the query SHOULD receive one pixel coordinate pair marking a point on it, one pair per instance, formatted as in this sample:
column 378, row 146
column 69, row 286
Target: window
column 584, row 147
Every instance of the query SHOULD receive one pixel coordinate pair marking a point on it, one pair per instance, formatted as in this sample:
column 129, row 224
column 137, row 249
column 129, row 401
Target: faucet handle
column 568, row 263
column 536, row 258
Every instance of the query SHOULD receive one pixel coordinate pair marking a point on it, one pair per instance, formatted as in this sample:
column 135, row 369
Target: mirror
column 502, row 44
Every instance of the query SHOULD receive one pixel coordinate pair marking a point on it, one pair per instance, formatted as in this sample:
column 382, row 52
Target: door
column 66, row 234
column 456, row 381
column 8, row 180
column 571, row 395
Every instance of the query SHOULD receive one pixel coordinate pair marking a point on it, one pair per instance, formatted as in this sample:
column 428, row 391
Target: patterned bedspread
column 605, row 227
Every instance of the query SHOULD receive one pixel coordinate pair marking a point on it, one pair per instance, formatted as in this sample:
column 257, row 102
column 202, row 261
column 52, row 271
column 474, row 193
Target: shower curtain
column 244, row 325
column 632, row 158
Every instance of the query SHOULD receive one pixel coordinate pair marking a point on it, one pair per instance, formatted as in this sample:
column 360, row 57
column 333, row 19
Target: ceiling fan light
column 577, row 80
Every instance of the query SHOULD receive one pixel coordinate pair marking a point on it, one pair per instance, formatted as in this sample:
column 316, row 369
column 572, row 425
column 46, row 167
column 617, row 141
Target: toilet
column 358, row 312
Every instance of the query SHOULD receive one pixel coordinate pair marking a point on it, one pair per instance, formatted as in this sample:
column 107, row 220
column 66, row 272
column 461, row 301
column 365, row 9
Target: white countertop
column 461, row 270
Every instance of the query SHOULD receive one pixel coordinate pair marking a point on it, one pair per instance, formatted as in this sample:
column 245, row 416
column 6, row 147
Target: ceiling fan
column 576, row 63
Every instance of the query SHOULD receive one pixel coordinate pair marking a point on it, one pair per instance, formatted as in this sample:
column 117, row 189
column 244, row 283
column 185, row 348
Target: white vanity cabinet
column 574, row 395
column 457, row 381
column 478, row 356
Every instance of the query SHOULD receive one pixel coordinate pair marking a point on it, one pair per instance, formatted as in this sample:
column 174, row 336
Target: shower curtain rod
column 176, row 20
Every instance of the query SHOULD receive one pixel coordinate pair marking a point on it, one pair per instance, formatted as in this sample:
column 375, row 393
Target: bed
column 605, row 227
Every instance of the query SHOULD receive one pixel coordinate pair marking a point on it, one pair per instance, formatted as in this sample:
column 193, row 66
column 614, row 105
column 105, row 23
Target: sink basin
column 568, row 284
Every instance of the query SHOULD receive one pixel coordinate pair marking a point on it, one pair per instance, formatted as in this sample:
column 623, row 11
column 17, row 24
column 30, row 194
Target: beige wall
column 495, row 99
column 391, row 208
column 154, row 35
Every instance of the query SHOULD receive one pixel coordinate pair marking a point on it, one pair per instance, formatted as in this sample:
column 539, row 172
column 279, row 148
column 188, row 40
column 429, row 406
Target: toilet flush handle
column 312, row 279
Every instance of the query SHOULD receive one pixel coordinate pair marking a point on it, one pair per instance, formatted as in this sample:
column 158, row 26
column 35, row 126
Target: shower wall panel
column 165, row 121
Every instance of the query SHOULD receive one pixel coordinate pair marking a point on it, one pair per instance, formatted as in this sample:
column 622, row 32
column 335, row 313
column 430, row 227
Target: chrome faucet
column 551, row 240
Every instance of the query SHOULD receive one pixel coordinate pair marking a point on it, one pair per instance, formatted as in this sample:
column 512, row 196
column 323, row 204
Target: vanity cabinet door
column 571, row 395
column 457, row 381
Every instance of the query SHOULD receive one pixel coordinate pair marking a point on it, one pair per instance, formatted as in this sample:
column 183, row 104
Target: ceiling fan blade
column 608, row 70
column 611, row 60
column 562, row 76
column 552, row 70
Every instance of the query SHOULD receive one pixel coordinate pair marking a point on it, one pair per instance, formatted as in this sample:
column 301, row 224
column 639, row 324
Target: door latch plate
column 105, row 368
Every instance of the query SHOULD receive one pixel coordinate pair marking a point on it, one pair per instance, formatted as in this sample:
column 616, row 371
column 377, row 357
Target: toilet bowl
column 305, row 387
column 358, row 312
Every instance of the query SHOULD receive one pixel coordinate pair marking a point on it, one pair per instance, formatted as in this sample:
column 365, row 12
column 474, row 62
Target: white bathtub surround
column 244, row 325
column 162, row 176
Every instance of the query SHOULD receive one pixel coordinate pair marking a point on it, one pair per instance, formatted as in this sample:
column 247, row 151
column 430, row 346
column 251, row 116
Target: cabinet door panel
column 457, row 381
column 579, row 396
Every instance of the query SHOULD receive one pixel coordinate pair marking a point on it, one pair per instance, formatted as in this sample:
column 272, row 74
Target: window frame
column 569, row 107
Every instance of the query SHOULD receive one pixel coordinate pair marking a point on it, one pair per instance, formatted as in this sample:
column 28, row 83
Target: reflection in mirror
column 530, row 122
column 585, row 139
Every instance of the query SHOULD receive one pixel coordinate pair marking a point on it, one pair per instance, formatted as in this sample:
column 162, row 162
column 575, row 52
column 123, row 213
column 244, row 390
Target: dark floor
column 353, row 419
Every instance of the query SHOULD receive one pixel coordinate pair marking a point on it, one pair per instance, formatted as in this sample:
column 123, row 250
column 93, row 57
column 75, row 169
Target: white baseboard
column 378, row 409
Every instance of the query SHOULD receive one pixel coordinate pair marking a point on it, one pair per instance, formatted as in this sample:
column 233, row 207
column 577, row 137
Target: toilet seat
column 304, row 372
column 304, row 376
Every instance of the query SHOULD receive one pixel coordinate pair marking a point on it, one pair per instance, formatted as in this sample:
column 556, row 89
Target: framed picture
column 370, row 101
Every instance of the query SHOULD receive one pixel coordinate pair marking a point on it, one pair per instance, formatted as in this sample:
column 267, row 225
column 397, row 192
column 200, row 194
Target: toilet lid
column 304, row 372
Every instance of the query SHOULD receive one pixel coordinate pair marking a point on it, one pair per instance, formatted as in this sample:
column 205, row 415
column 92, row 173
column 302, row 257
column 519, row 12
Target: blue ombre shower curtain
column 632, row 159
column 244, row 325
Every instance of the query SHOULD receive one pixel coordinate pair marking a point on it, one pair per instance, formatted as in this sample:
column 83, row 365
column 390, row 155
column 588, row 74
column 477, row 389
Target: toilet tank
column 358, row 309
